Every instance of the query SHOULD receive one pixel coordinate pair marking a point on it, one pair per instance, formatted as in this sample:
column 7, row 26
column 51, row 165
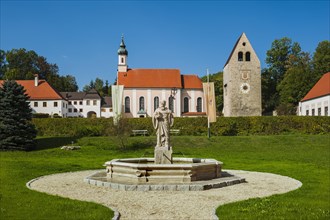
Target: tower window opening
column 247, row 56
column 122, row 60
column 244, row 44
column 240, row 56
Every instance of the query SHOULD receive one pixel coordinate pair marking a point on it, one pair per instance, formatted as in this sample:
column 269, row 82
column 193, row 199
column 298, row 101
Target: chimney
column 36, row 80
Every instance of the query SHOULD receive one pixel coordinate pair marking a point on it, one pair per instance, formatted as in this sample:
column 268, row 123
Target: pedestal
column 163, row 155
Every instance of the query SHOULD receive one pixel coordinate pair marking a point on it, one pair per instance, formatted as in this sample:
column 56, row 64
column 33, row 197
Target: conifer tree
column 16, row 130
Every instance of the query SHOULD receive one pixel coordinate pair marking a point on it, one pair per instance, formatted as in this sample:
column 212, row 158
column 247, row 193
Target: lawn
column 303, row 157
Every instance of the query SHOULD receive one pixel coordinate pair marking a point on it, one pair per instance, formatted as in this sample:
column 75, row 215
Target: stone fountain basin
column 144, row 170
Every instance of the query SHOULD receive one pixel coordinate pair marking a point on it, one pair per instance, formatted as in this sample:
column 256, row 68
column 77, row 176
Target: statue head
column 163, row 103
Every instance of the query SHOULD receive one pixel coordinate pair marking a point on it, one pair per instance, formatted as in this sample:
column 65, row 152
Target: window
column 171, row 103
column 247, row 56
column 44, row 104
column 70, row 109
column 81, row 110
column 141, row 103
column 240, row 56
column 313, row 112
column 102, row 109
column 75, row 102
column 94, row 102
column 319, row 111
column 63, row 105
column 156, row 103
column 55, row 104
column 75, row 110
column 80, row 102
column 186, row 104
column 199, row 104
column 110, row 109
column 307, row 112
column 70, row 103
column 122, row 60
column 88, row 102
column 326, row 111
column 127, row 105
column 35, row 104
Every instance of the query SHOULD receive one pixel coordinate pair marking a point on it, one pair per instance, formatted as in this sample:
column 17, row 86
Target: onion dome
column 122, row 48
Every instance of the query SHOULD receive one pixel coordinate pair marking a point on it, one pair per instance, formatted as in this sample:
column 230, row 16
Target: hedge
column 265, row 125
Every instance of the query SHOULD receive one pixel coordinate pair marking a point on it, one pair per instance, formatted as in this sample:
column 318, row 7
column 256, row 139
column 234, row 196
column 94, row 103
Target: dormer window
column 240, row 56
column 247, row 56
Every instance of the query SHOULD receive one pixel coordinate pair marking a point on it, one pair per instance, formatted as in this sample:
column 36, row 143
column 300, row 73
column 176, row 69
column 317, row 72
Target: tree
column 278, row 55
column 270, row 96
column 99, row 86
column 16, row 130
column 298, row 80
column 321, row 59
column 20, row 64
column 217, row 78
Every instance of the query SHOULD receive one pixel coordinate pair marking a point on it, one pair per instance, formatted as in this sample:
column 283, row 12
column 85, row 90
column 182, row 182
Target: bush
column 235, row 126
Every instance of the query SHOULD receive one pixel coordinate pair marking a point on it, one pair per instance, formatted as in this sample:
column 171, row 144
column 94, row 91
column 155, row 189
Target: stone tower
column 242, row 81
column 122, row 57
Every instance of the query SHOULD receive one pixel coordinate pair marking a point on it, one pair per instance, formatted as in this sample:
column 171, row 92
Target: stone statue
column 162, row 120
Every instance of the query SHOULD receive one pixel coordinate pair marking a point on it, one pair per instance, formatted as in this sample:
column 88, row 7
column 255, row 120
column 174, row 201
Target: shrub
column 231, row 126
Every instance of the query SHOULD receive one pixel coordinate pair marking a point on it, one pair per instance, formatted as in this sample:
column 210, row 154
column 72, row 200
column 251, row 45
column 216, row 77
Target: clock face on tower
column 245, row 88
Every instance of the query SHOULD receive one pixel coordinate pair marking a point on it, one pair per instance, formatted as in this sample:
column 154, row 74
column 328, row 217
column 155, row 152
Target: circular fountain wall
column 144, row 170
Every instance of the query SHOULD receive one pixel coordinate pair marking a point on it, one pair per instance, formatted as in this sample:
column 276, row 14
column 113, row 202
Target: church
column 144, row 89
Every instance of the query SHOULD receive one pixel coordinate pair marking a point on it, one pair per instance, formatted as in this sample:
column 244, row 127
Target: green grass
column 303, row 157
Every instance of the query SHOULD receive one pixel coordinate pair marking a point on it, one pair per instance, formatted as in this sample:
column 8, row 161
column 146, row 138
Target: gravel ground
column 165, row 204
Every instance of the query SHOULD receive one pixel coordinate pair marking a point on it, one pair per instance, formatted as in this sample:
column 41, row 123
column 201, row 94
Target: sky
column 82, row 37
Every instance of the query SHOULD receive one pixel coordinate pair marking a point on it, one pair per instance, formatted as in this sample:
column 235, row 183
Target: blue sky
column 82, row 37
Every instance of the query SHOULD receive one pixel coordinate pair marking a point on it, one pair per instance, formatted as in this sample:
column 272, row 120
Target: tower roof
column 122, row 48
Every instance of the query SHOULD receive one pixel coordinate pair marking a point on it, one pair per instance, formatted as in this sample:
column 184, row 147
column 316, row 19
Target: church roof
column 321, row 88
column 43, row 91
column 150, row 78
column 191, row 82
column 158, row 78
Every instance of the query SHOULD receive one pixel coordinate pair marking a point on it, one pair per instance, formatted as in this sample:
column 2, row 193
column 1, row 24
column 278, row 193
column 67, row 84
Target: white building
column 87, row 104
column 43, row 98
column 317, row 100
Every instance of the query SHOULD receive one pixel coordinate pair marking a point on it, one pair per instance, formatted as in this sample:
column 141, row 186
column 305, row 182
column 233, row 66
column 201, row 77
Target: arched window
column 156, row 103
column 141, row 104
column 240, row 56
column 171, row 103
column 199, row 104
column 247, row 56
column 127, row 105
column 122, row 60
column 186, row 104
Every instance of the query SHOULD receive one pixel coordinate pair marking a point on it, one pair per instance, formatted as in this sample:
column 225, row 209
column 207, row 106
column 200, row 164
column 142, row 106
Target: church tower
column 122, row 57
column 242, row 81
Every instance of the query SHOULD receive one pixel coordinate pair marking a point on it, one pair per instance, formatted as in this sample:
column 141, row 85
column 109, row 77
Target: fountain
column 163, row 172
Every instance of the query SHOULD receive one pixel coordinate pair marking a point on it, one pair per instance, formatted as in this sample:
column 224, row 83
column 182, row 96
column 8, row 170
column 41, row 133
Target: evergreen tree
column 16, row 130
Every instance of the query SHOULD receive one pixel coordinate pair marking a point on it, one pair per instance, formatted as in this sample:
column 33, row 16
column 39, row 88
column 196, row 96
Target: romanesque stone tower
column 242, row 81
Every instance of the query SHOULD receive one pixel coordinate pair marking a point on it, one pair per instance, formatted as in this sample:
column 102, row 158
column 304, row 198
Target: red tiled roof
column 191, row 82
column 41, row 92
column 150, row 78
column 321, row 88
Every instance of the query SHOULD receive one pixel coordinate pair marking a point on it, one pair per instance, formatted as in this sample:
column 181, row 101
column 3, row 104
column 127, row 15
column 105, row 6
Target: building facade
column 317, row 100
column 242, row 81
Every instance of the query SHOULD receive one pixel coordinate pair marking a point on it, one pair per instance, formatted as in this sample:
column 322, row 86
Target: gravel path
column 165, row 204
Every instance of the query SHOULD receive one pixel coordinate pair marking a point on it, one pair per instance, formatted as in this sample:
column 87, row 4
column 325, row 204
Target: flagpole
column 208, row 112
